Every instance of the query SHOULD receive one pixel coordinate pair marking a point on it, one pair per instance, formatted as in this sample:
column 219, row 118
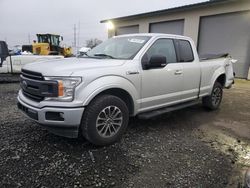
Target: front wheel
column 213, row 101
column 105, row 120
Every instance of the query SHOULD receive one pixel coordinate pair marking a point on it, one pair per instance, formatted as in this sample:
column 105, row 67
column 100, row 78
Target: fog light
column 61, row 115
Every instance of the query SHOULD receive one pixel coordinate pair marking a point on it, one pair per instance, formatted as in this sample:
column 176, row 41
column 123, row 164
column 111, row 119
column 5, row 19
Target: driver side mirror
column 4, row 52
column 156, row 61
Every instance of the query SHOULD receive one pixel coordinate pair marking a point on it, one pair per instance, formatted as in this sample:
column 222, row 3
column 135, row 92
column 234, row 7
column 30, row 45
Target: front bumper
column 67, row 124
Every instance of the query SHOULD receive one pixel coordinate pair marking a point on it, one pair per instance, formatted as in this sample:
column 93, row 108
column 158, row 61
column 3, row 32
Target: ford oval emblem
column 25, row 85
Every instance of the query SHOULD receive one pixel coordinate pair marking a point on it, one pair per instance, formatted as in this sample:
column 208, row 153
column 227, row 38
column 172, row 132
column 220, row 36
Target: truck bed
column 213, row 56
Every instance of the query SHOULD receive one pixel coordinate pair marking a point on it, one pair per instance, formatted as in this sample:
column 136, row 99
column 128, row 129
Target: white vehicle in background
column 84, row 50
column 18, row 61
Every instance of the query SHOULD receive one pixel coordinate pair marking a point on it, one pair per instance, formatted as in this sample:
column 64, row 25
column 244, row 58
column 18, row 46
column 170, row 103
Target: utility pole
column 29, row 38
column 74, row 46
column 74, row 35
column 78, row 37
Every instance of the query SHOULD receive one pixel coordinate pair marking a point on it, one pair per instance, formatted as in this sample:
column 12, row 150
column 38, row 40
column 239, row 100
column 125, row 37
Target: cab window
column 163, row 47
column 186, row 52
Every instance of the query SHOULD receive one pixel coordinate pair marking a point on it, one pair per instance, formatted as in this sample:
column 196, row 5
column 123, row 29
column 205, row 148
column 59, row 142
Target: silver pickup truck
column 141, row 75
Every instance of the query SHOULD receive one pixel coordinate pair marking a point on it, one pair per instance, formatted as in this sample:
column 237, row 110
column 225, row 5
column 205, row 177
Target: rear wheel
column 105, row 120
column 213, row 101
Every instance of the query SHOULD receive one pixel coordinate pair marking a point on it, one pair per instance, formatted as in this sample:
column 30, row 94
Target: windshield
column 51, row 39
column 43, row 38
column 119, row 47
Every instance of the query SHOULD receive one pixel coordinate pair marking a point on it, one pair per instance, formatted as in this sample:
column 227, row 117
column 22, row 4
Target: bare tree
column 91, row 43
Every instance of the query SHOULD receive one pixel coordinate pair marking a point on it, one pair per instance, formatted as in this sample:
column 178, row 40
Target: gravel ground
column 168, row 151
column 9, row 78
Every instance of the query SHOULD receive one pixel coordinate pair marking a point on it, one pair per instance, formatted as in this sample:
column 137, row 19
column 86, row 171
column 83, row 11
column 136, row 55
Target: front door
column 162, row 86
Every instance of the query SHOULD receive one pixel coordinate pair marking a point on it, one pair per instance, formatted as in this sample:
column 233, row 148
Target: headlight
column 66, row 88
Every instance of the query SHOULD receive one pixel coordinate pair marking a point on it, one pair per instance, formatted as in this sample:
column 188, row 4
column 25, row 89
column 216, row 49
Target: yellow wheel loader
column 48, row 44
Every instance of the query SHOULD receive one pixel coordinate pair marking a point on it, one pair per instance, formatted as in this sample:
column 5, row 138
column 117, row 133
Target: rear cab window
column 185, row 51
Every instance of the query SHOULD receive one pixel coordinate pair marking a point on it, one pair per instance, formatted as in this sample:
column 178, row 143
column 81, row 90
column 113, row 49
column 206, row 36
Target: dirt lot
column 188, row 148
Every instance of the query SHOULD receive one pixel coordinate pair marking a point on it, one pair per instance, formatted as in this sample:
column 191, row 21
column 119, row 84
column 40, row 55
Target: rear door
column 190, row 70
column 162, row 86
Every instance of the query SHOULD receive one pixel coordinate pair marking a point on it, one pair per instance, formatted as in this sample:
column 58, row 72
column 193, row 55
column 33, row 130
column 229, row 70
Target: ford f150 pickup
column 141, row 75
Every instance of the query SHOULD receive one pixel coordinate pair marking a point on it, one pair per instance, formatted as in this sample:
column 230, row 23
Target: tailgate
column 229, row 72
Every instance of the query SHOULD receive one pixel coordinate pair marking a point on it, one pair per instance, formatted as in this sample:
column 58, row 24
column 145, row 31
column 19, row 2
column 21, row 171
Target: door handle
column 178, row 72
column 132, row 72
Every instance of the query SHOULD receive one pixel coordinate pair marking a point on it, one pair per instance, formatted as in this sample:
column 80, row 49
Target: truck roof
column 155, row 35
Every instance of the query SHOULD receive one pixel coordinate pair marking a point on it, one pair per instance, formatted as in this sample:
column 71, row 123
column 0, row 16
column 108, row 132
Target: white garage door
column 227, row 33
column 169, row 27
column 127, row 30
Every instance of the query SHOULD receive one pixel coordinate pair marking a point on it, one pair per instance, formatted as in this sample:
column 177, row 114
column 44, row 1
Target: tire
column 105, row 120
column 54, row 53
column 213, row 101
column 247, row 178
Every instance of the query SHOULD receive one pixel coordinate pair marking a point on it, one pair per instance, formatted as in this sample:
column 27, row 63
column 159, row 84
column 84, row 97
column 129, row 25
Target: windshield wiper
column 104, row 55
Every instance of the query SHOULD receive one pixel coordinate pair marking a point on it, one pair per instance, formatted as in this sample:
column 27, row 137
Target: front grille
column 32, row 75
column 35, row 87
column 33, row 97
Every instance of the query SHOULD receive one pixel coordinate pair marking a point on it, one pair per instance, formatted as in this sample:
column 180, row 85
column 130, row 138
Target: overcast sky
column 19, row 18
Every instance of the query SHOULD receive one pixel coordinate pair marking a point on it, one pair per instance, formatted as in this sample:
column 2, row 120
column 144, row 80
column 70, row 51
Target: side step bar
column 151, row 114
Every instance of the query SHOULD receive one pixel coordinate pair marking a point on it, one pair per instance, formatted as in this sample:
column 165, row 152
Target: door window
column 163, row 47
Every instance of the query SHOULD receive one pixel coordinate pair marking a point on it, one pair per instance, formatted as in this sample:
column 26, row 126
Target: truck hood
column 67, row 66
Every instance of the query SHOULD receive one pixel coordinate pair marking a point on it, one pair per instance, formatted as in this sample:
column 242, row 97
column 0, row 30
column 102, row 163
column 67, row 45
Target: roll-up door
column 127, row 30
column 227, row 33
column 169, row 27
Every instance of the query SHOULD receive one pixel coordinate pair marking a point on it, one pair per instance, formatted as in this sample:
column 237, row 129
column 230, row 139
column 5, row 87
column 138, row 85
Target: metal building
column 216, row 26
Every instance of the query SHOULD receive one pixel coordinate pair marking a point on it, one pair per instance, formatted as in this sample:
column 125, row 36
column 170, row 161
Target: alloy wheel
column 109, row 121
column 216, row 96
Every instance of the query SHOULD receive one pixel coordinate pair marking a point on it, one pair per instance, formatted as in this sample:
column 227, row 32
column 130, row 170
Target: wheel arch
column 120, row 93
column 112, row 85
column 221, row 79
column 220, row 76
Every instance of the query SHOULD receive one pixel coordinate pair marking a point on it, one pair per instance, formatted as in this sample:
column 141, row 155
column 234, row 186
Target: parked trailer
column 14, row 63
